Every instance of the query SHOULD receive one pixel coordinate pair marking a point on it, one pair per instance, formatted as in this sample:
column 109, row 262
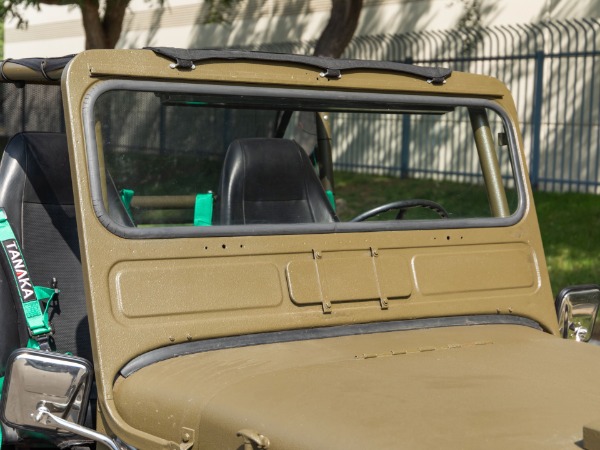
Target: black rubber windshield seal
column 329, row 67
column 390, row 100
column 247, row 340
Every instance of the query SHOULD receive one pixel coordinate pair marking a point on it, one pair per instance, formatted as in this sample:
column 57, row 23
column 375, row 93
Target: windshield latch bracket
column 184, row 64
column 383, row 300
column 331, row 74
column 325, row 302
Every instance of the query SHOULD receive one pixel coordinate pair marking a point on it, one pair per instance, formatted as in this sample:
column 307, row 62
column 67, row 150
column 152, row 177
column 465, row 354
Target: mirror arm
column 44, row 414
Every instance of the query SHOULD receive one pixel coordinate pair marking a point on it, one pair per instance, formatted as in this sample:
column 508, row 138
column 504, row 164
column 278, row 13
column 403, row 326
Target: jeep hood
column 485, row 386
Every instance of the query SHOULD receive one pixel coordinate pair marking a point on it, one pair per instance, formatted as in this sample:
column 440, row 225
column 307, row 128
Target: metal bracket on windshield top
column 183, row 64
column 331, row 74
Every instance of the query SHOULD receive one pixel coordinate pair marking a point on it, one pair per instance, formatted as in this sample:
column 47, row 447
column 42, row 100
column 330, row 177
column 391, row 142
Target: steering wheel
column 402, row 206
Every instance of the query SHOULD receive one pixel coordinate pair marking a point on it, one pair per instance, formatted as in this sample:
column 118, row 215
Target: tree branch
column 11, row 8
column 58, row 2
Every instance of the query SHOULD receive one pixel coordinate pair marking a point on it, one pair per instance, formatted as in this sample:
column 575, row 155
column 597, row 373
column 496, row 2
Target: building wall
column 546, row 51
column 57, row 30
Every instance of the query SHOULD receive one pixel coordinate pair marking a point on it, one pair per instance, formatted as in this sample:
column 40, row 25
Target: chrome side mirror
column 49, row 392
column 578, row 311
column 44, row 381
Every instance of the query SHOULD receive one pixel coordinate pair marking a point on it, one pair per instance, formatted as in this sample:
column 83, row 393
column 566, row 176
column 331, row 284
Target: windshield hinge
column 187, row 439
column 254, row 440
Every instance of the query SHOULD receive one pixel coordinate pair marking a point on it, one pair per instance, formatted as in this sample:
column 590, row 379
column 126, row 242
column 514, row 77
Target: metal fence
column 552, row 70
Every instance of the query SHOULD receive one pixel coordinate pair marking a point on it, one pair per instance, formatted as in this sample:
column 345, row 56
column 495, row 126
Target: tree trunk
column 113, row 21
column 339, row 30
column 102, row 32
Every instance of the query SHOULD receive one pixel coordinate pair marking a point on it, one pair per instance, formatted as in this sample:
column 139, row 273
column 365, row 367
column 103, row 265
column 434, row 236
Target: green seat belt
column 331, row 198
column 1, row 384
column 203, row 210
column 126, row 197
column 30, row 296
column 38, row 323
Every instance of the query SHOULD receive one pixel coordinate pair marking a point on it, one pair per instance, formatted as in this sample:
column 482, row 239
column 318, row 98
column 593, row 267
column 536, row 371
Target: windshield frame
column 331, row 96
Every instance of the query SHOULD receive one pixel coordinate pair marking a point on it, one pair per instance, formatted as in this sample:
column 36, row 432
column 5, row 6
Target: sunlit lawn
column 569, row 222
column 570, row 225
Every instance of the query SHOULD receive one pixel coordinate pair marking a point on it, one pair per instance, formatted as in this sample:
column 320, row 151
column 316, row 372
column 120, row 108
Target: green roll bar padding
column 331, row 198
column 203, row 210
column 126, row 197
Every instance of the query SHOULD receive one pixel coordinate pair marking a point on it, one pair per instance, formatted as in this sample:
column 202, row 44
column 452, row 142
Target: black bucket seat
column 37, row 195
column 271, row 181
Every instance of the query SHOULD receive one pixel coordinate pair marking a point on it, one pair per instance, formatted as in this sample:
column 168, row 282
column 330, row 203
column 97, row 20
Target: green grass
column 569, row 222
column 356, row 193
column 570, row 226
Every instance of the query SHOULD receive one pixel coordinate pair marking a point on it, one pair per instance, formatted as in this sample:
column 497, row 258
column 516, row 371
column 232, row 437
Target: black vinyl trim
column 42, row 65
column 259, row 93
column 247, row 340
column 330, row 67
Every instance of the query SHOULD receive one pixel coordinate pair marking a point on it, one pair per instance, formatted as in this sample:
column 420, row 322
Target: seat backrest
column 37, row 195
column 267, row 180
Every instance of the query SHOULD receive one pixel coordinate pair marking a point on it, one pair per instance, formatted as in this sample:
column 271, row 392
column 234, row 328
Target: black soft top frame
column 186, row 59
column 330, row 67
column 41, row 65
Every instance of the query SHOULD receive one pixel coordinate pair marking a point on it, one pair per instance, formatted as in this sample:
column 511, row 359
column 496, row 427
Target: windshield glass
column 185, row 159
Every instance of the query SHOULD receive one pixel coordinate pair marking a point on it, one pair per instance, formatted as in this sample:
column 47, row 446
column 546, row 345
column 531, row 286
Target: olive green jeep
column 209, row 249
